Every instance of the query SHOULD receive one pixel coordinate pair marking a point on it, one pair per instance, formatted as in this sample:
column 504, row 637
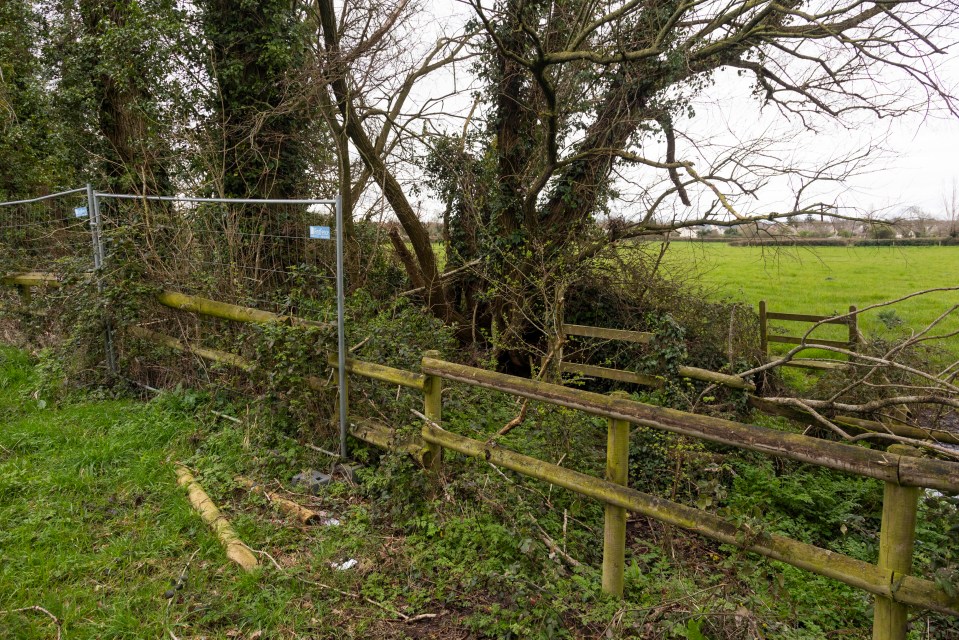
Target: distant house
column 767, row 229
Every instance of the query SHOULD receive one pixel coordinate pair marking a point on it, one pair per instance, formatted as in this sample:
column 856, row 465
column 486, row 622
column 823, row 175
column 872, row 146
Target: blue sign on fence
column 319, row 233
column 80, row 212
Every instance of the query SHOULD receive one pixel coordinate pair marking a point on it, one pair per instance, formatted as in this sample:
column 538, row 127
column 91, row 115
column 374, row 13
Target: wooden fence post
column 26, row 295
column 896, row 540
column 433, row 409
column 614, row 527
column 763, row 328
column 853, row 328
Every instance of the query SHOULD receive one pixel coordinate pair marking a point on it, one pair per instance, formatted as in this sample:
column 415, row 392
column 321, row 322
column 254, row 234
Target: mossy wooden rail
column 227, row 311
column 643, row 337
column 880, row 465
column 736, row 382
column 176, row 300
column 902, row 472
column 893, row 585
column 369, row 431
column 850, row 320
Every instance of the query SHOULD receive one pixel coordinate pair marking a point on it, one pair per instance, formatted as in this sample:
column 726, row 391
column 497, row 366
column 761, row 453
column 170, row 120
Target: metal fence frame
column 94, row 198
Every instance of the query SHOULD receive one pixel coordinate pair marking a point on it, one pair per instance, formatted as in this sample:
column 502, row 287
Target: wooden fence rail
column 937, row 474
column 851, row 321
column 642, row 337
column 901, row 471
column 894, row 585
column 736, row 382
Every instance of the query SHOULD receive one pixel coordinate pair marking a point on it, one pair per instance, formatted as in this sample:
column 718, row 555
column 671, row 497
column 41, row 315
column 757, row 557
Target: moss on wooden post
column 763, row 328
column 26, row 294
column 614, row 529
column 896, row 541
column 433, row 409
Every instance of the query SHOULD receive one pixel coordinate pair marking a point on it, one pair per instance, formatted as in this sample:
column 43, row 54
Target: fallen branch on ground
column 39, row 609
column 301, row 513
column 235, row 549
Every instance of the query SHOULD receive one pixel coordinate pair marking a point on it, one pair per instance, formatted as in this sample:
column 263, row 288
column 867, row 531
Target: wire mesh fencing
column 47, row 233
column 124, row 257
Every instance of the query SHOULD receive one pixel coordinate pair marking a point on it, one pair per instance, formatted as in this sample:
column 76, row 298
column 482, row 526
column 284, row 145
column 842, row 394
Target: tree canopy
column 548, row 131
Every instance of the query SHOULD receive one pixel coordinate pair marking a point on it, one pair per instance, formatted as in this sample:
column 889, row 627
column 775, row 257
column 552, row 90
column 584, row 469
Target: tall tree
column 256, row 54
column 110, row 63
column 259, row 122
column 584, row 100
column 29, row 157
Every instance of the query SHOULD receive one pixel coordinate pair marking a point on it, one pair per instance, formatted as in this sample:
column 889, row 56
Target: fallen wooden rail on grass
column 886, row 583
column 235, row 549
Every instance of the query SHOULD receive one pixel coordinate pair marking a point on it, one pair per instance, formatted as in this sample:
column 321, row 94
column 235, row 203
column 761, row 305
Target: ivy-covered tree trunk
column 120, row 41
column 258, row 124
column 29, row 157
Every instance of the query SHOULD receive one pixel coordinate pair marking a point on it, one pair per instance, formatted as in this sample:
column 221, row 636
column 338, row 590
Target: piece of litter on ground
column 311, row 481
column 345, row 566
column 330, row 522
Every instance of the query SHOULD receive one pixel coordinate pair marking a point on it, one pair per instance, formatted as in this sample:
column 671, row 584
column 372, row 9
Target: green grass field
column 95, row 530
column 826, row 280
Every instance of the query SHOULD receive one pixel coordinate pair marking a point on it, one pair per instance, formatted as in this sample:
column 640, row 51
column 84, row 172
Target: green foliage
column 286, row 356
column 471, row 544
column 30, row 153
column 890, row 319
column 936, row 549
column 256, row 51
column 809, row 504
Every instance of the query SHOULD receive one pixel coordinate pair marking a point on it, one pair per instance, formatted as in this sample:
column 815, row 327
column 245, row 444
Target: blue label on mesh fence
column 80, row 212
column 319, row 233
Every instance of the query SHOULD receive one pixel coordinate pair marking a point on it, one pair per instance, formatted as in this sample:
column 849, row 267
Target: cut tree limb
column 298, row 511
column 235, row 549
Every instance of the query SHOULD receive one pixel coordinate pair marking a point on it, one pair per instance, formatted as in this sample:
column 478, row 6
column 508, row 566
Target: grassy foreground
column 95, row 531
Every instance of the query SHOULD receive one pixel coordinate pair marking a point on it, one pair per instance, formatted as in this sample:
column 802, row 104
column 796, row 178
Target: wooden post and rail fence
column 900, row 468
column 732, row 381
column 851, row 321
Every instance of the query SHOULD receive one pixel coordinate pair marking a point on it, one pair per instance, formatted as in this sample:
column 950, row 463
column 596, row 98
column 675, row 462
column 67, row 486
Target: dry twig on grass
column 38, row 609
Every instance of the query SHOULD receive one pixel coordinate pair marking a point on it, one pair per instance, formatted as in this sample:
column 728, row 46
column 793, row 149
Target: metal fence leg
column 99, row 258
column 344, row 399
column 614, row 529
column 896, row 540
